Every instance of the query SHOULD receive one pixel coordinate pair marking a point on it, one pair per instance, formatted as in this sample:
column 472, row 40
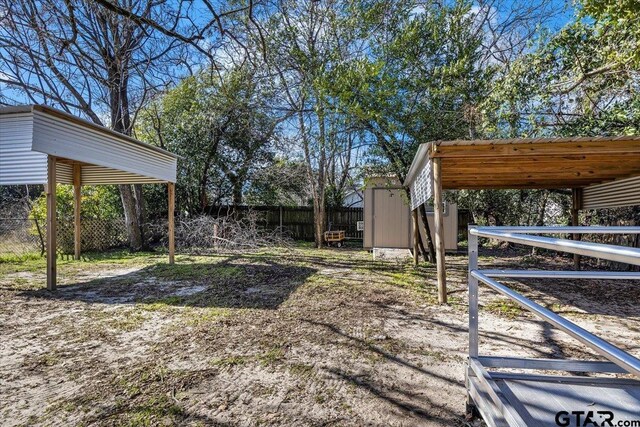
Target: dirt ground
column 297, row 336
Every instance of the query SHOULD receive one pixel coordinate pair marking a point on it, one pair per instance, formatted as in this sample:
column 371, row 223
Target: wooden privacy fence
column 297, row 221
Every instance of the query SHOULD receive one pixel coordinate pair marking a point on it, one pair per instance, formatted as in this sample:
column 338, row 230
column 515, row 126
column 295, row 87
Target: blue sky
column 563, row 18
column 564, row 8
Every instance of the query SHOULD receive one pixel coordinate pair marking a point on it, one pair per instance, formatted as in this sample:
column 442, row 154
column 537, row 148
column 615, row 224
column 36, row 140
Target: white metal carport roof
column 29, row 133
column 42, row 145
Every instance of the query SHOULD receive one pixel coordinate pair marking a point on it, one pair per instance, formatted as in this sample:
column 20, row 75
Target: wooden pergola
column 42, row 145
column 601, row 172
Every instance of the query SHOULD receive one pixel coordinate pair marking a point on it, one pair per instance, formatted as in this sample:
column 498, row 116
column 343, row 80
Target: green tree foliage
column 224, row 131
column 98, row 202
column 617, row 25
column 515, row 207
column 580, row 81
column 419, row 80
column 283, row 183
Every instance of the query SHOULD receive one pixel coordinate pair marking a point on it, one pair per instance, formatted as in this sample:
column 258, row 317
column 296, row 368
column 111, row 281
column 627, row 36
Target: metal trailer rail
column 535, row 399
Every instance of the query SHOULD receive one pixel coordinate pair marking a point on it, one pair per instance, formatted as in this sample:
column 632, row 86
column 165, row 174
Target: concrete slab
column 391, row 254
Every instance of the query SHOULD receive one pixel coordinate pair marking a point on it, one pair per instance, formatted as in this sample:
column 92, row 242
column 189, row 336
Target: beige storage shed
column 387, row 217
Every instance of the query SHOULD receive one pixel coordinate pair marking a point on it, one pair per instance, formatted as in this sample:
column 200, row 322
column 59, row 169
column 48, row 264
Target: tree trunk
column 131, row 217
column 320, row 199
column 120, row 122
column 236, row 184
column 421, row 247
column 140, row 213
column 202, row 192
column 319, row 219
column 542, row 208
column 429, row 256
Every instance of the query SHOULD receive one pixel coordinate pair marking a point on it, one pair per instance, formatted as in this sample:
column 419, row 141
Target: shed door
column 391, row 219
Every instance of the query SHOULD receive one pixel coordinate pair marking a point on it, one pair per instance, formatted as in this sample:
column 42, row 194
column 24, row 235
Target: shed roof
column 29, row 133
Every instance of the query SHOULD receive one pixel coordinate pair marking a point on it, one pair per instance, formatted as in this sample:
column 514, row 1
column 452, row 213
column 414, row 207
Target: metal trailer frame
column 525, row 399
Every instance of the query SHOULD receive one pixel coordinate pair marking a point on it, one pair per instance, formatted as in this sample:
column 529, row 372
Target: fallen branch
column 207, row 234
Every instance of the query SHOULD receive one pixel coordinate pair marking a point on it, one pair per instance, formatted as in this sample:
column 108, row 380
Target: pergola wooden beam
column 512, row 149
column 616, row 166
column 416, row 236
column 548, row 171
column 525, row 178
column 572, row 159
column 516, row 184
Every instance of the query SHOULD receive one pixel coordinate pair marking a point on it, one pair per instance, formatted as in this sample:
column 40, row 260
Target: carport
column 602, row 172
column 42, row 145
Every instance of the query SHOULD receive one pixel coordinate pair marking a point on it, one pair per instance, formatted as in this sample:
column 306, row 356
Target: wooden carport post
column 439, row 225
column 171, row 187
column 51, row 223
column 77, row 200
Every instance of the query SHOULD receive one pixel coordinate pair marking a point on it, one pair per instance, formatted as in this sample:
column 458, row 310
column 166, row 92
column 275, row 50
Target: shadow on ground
column 233, row 282
column 566, row 296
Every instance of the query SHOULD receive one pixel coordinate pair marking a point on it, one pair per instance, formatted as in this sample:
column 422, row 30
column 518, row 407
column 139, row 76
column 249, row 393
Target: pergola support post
column 51, row 223
column 77, row 200
column 576, row 205
column 439, row 230
column 171, row 189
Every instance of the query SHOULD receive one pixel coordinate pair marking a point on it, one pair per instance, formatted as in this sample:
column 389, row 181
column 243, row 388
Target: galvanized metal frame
column 495, row 406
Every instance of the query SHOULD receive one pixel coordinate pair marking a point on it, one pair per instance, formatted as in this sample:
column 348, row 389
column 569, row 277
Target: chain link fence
column 21, row 236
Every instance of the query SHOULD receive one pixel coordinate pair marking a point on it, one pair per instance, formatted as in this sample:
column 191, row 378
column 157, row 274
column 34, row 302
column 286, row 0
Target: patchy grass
column 162, row 304
column 302, row 370
column 271, row 356
column 504, row 307
column 160, row 410
column 230, row 361
column 19, row 258
column 294, row 336
column 204, row 316
column 197, row 271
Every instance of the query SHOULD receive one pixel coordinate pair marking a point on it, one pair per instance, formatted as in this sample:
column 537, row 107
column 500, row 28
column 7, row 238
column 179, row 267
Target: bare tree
column 194, row 22
column 506, row 27
column 304, row 42
column 88, row 60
